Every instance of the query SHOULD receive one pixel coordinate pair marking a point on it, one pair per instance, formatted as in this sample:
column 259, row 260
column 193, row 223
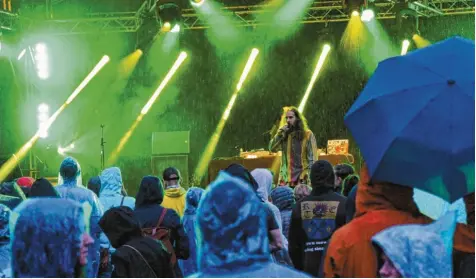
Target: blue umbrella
column 414, row 121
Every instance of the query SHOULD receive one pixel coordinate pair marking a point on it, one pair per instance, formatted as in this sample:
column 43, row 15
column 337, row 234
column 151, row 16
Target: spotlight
column 176, row 29
column 61, row 151
column 41, row 59
column 355, row 13
column 71, row 146
column 22, row 53
column 367, row 15
column 168, row 15
column 43, row 116
column 43, row 108
column 197, row 3
column 405, row 46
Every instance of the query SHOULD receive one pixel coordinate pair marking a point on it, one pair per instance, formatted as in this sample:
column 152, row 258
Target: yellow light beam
column 8, row 166
column 213, row 142
column 128, row 64
column 246, row 70
column 88, row 78
column 115, row 154
column 170, row 74
column 320, row 63
column 405, row 46
column 420, row 42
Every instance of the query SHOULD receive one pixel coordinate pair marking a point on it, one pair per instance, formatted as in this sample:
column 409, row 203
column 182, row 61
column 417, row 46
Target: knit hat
column 322, row 174
column 283, row 197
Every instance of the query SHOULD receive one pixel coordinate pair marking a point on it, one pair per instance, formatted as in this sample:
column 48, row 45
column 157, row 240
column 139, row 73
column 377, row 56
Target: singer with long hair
column 298, row 145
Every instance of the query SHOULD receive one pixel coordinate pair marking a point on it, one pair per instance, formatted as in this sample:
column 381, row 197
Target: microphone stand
column 102, row 147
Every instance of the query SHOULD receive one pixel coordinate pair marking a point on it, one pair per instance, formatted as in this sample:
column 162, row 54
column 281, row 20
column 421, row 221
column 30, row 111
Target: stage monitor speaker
column 160, row 163
column 167, row 143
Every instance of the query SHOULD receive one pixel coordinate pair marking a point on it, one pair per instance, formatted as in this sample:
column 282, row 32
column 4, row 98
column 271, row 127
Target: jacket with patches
column 378, row 206
column 175, row 199
column 232, row 235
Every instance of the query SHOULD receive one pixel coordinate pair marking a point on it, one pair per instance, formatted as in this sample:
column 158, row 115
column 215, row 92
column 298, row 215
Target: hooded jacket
column 124, row 232
column 420, row 251
column 232, row 236
column 43, row 188
column 148, row 211
column 110, row 194
column 175, row 199
column 46, row 238
column 5, row 252
column 314, row 219
column 70, row 172
column 283, row 198
column 13, row 190
column 378, row 206
column 194, row 194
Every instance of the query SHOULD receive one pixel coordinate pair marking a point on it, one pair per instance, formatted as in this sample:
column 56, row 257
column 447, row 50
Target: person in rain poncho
column 148, row 211
column 25, row 183
column 70, row 188
column 135, row 256
column 43, row 188
column 378, row 206
column 417, row 251
column 94, row 184
column 283, row 198
column 5, row 252
column 232, row 235
column 49, row 238
column 264, row 178
column 194, row 194
column 274, row 232
column 174, row 193
column 111, row 191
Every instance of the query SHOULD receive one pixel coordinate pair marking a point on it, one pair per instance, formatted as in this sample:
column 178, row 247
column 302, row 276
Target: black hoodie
column 43, row 188
column 123, row 231
column 148, row 211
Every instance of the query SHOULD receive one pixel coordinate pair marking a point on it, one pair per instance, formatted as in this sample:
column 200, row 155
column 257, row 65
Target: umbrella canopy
column 414, row 121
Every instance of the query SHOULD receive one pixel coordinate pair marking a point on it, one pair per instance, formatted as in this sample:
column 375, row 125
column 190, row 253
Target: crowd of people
column 241, row 225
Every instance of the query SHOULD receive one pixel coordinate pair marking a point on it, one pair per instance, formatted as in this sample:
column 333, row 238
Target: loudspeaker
column 160, row 163
column 166, row 143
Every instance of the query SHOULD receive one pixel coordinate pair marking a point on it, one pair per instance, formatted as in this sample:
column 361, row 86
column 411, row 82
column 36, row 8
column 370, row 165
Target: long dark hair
column 301, row 122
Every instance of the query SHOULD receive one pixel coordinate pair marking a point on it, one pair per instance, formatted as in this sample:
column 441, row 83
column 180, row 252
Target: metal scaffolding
column 320, row 11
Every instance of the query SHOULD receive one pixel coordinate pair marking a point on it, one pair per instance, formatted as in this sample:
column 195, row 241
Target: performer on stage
column 298, row 145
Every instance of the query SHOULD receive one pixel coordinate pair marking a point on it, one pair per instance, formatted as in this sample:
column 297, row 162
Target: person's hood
column 264, row 178
column 70, row 173
column 46, row 237
column 231, row 224
column 322, row 175
column 150, row 191
column 241, row 172
column 120, row 226
column 383, row 196
column 13, row 190
column 94, row 184
column 43, row 188
column 175, row 192
column 283, row 197
column 111, row 182
column 4, row 226
column 194, row 195
column 420, row 251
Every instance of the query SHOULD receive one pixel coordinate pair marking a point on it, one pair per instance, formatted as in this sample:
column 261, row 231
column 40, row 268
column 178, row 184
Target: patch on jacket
column 319, row 218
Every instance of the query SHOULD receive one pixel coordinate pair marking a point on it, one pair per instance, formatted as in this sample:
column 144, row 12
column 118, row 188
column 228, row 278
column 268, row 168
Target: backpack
column 163, row 235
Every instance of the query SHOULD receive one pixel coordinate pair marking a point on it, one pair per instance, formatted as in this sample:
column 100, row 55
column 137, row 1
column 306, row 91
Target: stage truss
column 320, row 11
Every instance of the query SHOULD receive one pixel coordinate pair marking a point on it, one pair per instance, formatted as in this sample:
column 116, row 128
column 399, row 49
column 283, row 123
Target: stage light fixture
column 367, row 15
column 41, row 59
column 355, row 13
column 197, row 3
column 169, row 15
